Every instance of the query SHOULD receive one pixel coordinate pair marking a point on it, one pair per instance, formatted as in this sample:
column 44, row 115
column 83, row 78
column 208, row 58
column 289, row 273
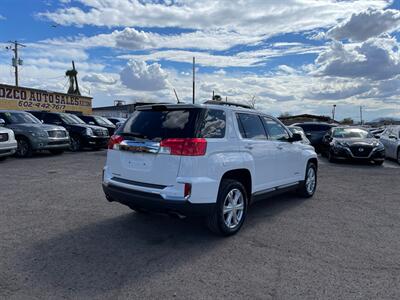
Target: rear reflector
column 188, row 190
column 184, row 146
column 114, row 141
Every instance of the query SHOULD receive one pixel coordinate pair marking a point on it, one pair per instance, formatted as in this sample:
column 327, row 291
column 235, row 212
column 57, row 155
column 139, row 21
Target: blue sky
column 296, row 56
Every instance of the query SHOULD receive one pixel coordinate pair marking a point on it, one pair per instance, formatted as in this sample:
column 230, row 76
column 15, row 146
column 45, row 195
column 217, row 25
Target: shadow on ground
column 103, row 256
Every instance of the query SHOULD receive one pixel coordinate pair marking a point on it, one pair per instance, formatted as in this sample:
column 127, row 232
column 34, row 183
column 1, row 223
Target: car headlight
column 378, row 145
column 341, row 144
column 38, row 133
column 89, row 131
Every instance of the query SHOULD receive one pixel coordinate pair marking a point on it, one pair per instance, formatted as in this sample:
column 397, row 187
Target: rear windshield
column 174, row 123
column 314, row 127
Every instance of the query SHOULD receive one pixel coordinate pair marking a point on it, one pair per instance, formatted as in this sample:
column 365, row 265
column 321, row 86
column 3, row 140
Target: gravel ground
column 60, row 238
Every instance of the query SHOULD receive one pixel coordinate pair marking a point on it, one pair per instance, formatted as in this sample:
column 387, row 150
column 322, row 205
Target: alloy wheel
column 398, row 156
column 22, row 148
column 310, row 181
column 75, row 144
column 233, row 208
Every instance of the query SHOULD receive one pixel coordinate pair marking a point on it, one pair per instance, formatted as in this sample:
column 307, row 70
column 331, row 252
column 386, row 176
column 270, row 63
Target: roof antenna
column 194, row 81
column 176, row 95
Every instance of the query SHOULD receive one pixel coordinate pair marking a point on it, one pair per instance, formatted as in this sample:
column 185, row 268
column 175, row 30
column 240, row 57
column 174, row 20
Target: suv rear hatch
column 148, row 148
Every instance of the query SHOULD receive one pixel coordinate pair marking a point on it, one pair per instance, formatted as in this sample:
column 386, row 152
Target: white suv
column 209, row 160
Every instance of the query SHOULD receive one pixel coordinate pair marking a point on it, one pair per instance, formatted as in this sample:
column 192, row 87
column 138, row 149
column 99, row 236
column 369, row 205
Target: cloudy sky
column 295, row 56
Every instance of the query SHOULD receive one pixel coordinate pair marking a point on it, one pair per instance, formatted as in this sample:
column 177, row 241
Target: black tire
column 216, row 222
column 378, row 162
column 56, row 151
column 75, row 143
column 331, row 156
column 304, row 190
column 24, row 147
column 398, row 156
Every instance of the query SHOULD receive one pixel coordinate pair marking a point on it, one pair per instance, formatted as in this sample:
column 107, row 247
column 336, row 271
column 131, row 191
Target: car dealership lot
column 61, row 238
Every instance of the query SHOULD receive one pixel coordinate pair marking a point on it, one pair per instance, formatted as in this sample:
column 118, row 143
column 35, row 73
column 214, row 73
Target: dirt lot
column 60, row 238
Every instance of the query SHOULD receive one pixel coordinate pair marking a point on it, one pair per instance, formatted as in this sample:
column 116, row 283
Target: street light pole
column 333, row 112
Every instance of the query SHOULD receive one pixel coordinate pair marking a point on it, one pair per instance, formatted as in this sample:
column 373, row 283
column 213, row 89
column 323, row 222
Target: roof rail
column 213, row 102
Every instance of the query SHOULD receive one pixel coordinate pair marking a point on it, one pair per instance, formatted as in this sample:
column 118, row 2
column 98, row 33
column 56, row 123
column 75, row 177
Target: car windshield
column 79, row 120
column 351, row 133
column 103, row 121
column 71, row 119
column 20, row 118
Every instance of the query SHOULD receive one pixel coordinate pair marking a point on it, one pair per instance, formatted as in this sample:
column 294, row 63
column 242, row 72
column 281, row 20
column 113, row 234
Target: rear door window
column 251, row 127
column 158, row 124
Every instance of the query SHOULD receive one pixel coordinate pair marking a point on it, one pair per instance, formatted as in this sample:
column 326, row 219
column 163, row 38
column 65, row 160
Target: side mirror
column 91, row 123
column 2, row 122
column 296, row 137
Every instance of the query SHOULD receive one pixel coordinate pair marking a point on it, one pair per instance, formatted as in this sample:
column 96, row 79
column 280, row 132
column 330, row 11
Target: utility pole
column 16, row 61
column 333, row 112
column 361, row 116
column 194, row 85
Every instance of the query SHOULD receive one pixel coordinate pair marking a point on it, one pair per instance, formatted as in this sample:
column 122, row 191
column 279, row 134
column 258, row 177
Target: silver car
column 390, row 138
column 8, row 144
column 32, row 135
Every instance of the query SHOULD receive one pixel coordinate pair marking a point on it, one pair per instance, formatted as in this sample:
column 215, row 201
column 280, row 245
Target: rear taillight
column 114, row 141
column 186, row 147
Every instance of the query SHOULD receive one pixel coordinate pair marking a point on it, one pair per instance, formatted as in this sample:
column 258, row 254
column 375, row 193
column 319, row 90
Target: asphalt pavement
column 61, row 239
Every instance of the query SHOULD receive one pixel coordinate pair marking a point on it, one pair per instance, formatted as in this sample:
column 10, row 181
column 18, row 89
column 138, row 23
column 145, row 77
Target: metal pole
column 16, row 62
column 333, row 112
column 194, row 86
column 361, row 116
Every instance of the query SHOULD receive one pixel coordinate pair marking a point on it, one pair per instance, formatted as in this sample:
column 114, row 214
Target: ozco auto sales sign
column 21, row 98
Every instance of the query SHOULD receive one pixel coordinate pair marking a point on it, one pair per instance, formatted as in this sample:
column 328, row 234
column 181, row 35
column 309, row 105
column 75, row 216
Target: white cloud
column 255, row 16
column 364, row 25
column 2, row 18
column 242, row 59
column 202, row 58
column 106, row 79
column 137, row 75
column 377, row 58
column 130, row 38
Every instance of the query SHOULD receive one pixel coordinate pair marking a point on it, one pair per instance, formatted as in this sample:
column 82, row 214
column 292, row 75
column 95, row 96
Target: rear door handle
column 249, row 147
column 279, row 147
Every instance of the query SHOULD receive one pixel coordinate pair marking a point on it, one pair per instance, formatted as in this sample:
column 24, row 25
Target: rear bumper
column 154, row 202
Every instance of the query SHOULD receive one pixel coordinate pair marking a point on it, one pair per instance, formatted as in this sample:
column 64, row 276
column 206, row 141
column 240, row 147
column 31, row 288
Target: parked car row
column 24, row 132
column 352, row 142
